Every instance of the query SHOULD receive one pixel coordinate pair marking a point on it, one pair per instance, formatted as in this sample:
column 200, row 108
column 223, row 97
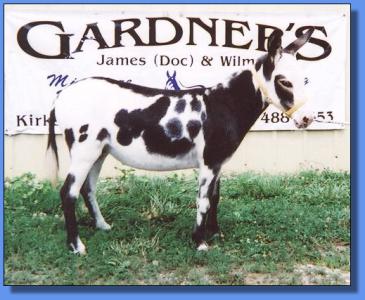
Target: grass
column 274, row 229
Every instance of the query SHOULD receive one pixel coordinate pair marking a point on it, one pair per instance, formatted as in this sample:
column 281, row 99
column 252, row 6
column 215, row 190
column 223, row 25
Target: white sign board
column 47, row 47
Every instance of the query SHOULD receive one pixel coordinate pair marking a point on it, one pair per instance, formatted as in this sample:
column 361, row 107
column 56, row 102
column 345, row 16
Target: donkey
column 156, row 129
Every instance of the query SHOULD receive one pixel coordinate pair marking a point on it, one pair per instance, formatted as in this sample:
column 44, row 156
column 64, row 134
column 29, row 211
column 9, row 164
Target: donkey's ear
column 274, row 43
column 167, row 73
column 173, row 75
column 299, row 42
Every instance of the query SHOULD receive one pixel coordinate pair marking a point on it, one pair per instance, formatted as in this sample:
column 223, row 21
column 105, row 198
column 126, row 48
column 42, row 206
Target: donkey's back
column 144, row 128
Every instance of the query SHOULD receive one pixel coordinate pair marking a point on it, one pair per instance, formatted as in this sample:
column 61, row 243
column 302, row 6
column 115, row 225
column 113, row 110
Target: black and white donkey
column 156, row 129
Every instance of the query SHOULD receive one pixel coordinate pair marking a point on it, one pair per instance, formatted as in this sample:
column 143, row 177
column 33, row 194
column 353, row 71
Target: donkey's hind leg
column 88, row 192
column 83, row 157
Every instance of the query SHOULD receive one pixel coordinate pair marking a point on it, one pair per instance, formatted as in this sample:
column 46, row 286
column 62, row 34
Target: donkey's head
column 283, row 78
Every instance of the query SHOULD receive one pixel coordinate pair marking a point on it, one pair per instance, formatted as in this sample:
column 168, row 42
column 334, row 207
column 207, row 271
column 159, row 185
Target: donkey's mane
column 149, row 91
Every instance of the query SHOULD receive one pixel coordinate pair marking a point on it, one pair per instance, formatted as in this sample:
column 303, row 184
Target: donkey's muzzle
column 303, row 119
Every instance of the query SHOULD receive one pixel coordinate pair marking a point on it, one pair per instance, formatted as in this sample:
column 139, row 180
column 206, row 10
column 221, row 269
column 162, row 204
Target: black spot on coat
column 103, row 134
column 70, row 138
column 180, row 106
column 82, row 137
column 157, row 142
column 132, row 124
column 84, row 128
column 193, row 127
column 174, row 128
column 195, row 104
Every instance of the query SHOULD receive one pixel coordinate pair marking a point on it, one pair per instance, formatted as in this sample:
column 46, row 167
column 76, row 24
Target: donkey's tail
column 52, row 152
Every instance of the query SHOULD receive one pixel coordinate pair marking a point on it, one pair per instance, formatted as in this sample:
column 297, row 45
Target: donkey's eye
column 286, row 83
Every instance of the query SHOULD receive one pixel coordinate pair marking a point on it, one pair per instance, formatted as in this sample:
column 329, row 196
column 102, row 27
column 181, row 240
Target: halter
column 292, row 110
column 268, row 100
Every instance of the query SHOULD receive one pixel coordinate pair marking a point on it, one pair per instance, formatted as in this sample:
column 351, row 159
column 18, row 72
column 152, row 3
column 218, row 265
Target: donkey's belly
column 136, row 155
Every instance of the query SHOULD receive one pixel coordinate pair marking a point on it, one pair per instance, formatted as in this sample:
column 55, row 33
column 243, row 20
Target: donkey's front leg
column 212, row 222
column 207, row 181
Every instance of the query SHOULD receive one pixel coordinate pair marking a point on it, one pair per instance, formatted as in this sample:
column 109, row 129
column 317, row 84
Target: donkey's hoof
column 79, row 248
column 203, row 247
column 103, row 225
column 215, row 236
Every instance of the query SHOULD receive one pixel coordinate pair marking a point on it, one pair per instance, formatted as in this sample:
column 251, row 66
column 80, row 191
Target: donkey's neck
column 232, row 110
column 247, row 99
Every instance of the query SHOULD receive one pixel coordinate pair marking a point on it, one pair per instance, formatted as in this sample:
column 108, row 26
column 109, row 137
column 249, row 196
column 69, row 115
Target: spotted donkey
column 156, row 129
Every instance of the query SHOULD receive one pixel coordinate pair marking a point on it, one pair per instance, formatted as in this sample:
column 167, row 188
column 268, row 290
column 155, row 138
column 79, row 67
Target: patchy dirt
column 196, row 276
column 302, row 275
column 320, row 275
column 263, row 279
column 308, row 274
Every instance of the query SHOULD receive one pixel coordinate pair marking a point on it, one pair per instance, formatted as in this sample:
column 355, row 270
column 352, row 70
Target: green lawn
column 290, row 229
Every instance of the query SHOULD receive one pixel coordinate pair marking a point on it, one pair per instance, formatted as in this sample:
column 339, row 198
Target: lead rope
column 332, row 122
